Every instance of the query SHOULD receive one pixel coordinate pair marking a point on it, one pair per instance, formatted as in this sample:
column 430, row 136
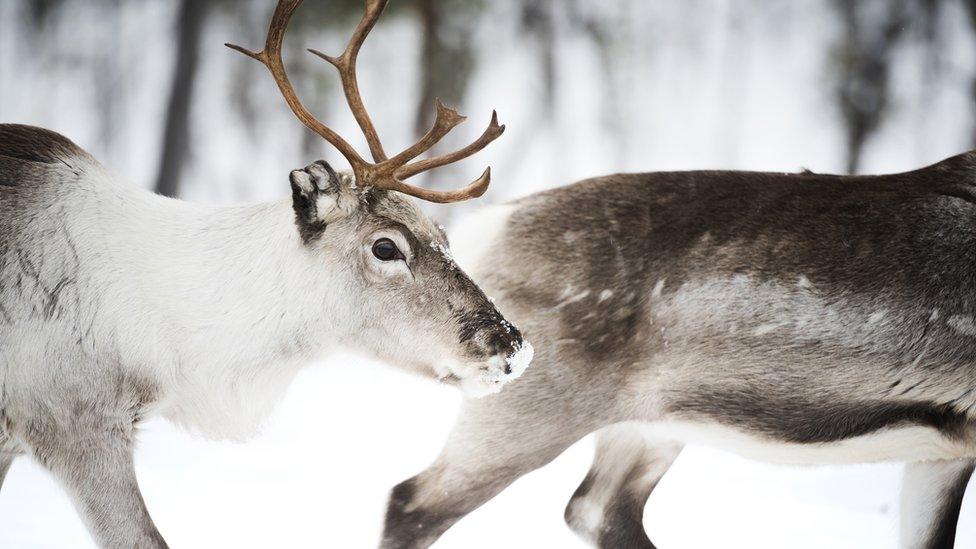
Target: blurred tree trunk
column 930, row 12
column 430, row 22
column 971, row 10
column 602, row 28
column 865, row 58
column 106, row 78
column 40, row 10
column 176, row 132
column 538, row 21
column 446, row 57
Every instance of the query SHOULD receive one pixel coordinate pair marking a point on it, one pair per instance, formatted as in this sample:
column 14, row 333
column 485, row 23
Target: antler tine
column 270, row 57
column 473, row 190
column 346, row 64
column 491, row 133
column 446, row 120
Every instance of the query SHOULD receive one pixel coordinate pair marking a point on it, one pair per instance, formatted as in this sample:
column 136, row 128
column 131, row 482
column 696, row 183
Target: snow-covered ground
column 703, row 84
column 349, row 430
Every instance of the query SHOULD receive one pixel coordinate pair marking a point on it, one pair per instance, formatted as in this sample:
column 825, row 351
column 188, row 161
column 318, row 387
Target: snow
column 349, row 431
column 520, row 360
column 494, row 378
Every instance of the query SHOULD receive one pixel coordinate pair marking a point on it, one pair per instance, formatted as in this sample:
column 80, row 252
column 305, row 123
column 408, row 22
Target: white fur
column 588, row 513
column 925, row 489
column 658, row 289
column 223, row 347
column 912, row 443
column 210, row 311
column 216, row 307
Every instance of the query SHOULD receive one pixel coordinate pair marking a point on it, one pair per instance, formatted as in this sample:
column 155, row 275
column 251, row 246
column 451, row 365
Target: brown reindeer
column 796, row 318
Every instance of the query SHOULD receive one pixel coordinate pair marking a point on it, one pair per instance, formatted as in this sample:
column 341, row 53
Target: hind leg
column 931, row 498
column 608, row 507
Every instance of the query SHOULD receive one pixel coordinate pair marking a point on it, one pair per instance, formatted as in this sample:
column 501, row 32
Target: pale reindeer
column 117, row 304
column 796, row 318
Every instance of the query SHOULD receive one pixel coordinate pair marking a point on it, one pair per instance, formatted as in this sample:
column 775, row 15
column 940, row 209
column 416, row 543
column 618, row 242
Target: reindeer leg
column 5, row 461
column 608, row 507
column 931, row 497
column 492, row 444
column 95, row 468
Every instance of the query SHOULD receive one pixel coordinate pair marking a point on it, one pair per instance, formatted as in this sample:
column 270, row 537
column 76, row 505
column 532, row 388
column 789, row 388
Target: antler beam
column 346, row 65
column 270, row 57
column 383, row 172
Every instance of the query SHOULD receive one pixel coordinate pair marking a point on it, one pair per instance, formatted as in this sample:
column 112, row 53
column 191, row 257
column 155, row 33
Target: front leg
column 5, row 460
column 496, row 440
column 462, row 478
column 91, row 458
column 931, row 497
column 97, row 472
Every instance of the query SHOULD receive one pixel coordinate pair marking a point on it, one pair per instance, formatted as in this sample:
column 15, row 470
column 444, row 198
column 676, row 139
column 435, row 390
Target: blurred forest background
column 586, row 87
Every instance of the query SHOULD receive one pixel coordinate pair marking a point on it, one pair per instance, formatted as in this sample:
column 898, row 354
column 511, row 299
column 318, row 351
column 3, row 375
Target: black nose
column 504, row 340
column 490, row 332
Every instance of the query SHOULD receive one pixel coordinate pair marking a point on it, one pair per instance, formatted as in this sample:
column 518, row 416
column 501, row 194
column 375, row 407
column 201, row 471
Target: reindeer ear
column 320, row 196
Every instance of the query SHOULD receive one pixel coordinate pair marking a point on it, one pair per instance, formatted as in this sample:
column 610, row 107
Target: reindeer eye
column 385, row 250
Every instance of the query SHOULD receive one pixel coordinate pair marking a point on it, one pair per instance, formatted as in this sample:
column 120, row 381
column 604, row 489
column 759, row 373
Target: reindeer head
column 408, row 302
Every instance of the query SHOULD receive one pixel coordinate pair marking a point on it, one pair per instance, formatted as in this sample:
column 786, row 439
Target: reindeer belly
column 805, row 411
column 900, row 443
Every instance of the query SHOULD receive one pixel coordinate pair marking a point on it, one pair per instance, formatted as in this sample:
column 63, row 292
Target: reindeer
column 117, row 304
column 795, row 318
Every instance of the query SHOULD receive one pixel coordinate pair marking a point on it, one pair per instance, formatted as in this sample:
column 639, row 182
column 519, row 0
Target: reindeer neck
column 242, row 278
column 240, row 305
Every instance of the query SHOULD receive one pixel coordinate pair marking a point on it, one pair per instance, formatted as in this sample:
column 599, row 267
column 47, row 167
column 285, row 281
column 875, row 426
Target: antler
column 383, row 172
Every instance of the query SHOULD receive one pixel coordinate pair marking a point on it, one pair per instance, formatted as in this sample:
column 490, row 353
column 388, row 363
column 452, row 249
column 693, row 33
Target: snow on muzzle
column 500, row 353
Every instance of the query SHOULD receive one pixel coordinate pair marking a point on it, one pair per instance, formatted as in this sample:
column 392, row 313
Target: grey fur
column 5, row 461
column 797, row 309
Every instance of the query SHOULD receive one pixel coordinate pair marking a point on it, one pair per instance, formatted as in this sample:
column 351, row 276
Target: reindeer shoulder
column 28, row 154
